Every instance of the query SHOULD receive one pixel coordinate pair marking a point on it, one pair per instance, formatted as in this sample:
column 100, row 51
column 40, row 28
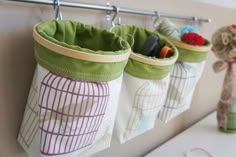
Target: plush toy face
column 224, row 42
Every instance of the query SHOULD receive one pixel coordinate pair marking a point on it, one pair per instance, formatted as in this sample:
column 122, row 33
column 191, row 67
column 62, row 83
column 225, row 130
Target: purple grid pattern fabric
column 71, row 112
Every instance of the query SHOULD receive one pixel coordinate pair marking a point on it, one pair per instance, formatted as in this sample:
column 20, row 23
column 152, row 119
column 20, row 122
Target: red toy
column 193, row 39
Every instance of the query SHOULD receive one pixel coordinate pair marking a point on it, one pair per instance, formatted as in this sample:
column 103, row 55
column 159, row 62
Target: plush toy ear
column 225, row 37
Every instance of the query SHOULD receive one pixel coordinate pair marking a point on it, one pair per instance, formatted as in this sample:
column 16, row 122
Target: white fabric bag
column 144, row 85
column 73, row 99
column 140, row 101
column 66, row 115
column 183, row 79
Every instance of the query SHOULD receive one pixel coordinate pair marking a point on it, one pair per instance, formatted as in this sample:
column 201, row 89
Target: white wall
column 222, row 3
column 17, row 65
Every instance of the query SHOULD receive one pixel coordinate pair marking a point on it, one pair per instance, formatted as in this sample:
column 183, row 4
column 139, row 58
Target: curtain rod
column 111, row 8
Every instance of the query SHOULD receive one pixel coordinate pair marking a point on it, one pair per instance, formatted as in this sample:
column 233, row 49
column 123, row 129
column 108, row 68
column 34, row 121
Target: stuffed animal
column 224, row 48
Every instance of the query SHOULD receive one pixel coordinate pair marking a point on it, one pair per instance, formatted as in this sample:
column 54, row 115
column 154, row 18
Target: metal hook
column 194, row 21
column 158, row 15
column 116, row 10
column 56, row 7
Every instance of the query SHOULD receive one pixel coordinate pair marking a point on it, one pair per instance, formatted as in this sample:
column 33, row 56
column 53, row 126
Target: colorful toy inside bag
column 193, row 50
column 224, row 48
column 73, row 98
column 145, row 80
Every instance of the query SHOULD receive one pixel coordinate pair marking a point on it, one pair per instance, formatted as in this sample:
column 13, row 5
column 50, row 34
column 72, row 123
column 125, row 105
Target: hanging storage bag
column 73, row 98
column 184, row 76
column 145, row 83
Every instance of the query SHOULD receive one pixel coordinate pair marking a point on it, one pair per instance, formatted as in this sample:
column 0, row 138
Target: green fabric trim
column 136, row 68
column 75, row 68
column 144, row 71
column 186, row 55
column 85, row 38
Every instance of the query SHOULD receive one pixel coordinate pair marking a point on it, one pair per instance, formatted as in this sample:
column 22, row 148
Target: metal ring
column 131, row 43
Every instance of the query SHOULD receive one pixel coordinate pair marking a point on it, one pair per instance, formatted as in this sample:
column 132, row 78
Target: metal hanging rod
column 112, row 8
